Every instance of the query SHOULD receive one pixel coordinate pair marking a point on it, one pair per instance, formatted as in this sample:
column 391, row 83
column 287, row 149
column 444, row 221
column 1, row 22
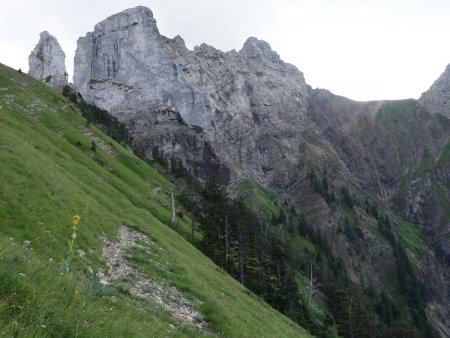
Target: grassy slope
column 48, row 173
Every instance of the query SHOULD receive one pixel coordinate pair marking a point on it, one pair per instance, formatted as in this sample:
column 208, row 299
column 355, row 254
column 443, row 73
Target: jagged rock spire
column 47, row 62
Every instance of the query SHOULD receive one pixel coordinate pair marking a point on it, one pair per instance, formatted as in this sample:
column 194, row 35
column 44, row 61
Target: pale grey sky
column 362, row 49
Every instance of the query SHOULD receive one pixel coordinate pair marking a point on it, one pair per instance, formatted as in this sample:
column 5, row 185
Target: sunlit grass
column 49, row 173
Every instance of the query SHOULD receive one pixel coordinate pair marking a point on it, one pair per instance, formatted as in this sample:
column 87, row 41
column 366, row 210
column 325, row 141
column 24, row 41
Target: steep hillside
column 129, row 274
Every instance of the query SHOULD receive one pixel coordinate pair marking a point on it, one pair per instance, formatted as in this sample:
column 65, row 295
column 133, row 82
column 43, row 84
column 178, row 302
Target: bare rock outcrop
column 437, row 98
column 47, row 62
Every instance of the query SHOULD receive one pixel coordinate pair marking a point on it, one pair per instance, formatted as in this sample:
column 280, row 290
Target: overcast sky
column 362, row 49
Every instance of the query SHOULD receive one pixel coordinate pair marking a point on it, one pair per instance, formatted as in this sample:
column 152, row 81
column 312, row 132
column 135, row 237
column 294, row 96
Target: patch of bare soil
column 159, row 292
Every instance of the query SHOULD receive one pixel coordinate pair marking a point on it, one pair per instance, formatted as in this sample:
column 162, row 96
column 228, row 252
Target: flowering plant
column 74, row 221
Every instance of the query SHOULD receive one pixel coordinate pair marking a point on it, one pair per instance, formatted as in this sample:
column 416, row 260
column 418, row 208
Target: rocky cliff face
column 249, row 114
column 243, row 107
column 47, row 62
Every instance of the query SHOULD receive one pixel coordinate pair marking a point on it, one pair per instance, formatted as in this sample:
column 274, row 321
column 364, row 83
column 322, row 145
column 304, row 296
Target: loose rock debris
column 159, row 292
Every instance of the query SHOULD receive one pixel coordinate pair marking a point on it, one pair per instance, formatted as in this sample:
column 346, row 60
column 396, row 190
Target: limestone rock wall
column 239, row 100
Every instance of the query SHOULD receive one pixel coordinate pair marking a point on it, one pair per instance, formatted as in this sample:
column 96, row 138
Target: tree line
column 109, row 124
column 251, row 249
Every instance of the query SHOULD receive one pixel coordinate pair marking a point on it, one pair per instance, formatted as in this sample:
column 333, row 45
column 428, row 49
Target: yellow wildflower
column 74, row 221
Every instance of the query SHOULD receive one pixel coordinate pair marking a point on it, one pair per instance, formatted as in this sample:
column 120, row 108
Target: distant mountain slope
column 397, row 152
column 53, row 166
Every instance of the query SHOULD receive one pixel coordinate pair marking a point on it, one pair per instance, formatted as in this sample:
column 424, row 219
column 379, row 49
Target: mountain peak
column 45, row 35
column 255, row 48
column 126, row 18
column 437, row 98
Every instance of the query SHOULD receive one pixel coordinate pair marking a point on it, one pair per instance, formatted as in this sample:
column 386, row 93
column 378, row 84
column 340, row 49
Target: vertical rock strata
column 47, row 62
